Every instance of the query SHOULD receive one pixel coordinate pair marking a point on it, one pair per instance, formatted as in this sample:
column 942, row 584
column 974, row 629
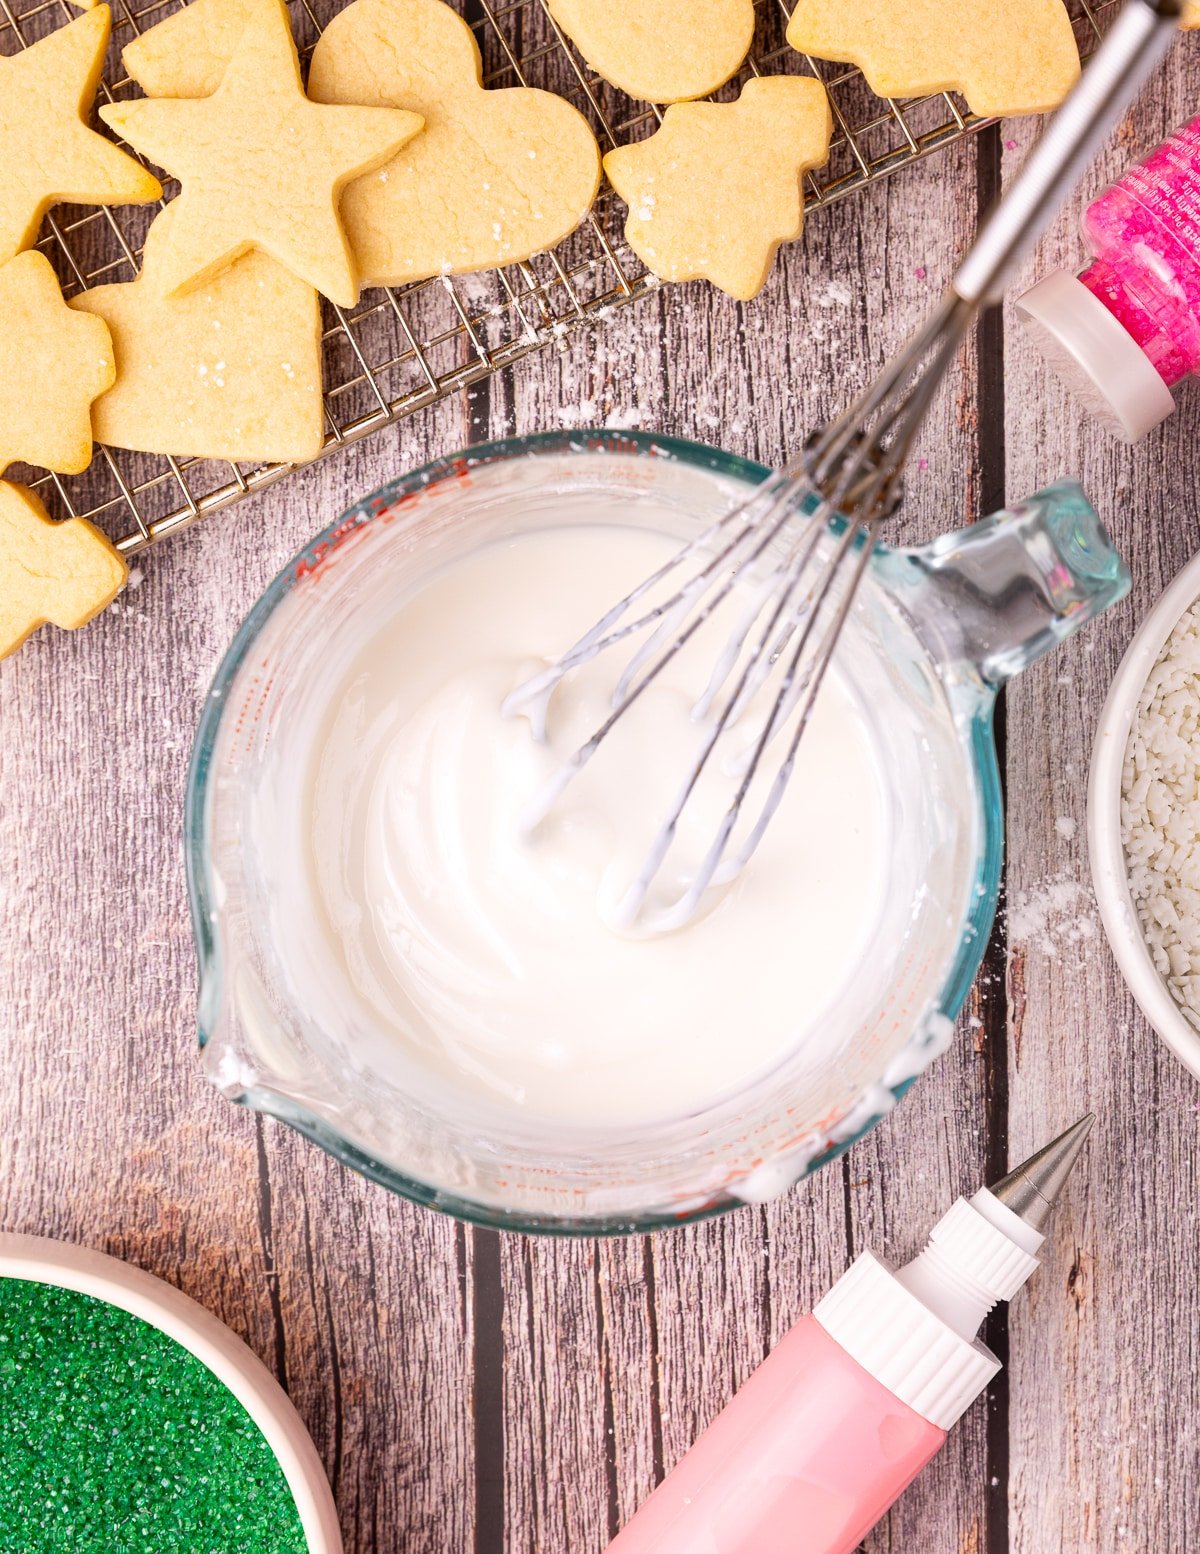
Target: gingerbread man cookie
column 262, row 166
column 719, row 187
column 1019, row 57
column 494, row 177
column 55, row 364
column 47, row 151
column 59, row 572
column 660, row 50
column 232, row 370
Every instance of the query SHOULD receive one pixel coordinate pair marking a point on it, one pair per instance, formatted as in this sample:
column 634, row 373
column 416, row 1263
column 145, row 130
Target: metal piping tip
column 1032, row 1189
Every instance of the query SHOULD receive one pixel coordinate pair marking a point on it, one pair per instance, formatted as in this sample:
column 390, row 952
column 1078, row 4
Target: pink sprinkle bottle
column 845, row 1412
column 1126, row 329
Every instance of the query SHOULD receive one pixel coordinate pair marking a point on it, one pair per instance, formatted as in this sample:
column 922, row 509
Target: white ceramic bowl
column 234, row 1365
column 1109, row 873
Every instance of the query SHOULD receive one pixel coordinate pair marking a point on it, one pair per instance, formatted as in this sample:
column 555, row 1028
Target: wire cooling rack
column 403, row 348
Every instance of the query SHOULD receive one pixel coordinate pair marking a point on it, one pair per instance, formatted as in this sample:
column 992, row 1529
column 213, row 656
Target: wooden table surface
column 479, row 1392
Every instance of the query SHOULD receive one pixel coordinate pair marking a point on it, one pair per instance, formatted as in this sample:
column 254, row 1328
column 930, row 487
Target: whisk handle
column 1137, row 41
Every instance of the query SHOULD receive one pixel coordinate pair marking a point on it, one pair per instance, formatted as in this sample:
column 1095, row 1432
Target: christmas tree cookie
column 719, row 187
column 55, row 364
column 59, row 572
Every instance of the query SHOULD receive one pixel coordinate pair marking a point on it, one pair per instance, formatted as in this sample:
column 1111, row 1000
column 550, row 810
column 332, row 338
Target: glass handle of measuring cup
column 996, row 596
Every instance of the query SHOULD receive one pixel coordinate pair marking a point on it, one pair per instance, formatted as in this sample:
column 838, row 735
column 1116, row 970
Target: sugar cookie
column 718, row 187
column 187, row 53
column 54, row 365
column 494, row 177
column 59, row 572
column 1020, row 57
column 262, row 167
column 230, row 371
column 660, row 50
column 47, row 152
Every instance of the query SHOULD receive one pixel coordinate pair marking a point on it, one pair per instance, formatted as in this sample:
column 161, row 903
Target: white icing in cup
column 497, row 959
column 460, row 1011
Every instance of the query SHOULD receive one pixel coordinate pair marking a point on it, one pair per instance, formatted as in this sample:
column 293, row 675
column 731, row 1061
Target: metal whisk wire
column 847, row 482
column 855, row 468
column 851, row 469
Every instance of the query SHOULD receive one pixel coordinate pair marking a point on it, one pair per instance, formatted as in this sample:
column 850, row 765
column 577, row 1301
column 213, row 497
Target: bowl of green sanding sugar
column 131, row 1419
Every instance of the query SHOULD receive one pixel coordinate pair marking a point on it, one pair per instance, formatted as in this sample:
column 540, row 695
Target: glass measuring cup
column 936, row 631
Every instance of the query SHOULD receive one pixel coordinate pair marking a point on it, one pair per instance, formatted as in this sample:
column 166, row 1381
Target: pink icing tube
column 844, row 1413
column 811, row 1441
column 1126, row 329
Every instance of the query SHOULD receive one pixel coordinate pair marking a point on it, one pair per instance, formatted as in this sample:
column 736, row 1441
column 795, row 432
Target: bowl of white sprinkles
column 1144, row 816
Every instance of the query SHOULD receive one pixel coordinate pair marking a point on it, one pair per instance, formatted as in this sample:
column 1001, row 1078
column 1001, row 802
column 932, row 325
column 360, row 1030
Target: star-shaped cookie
column 59, row 572
column 714, row 192
column 47, row 151
column 495, row 176
column 262, row 167
column 55, row 363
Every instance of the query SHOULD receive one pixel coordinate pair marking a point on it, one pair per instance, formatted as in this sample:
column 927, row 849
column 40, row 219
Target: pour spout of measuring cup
column 994, row 597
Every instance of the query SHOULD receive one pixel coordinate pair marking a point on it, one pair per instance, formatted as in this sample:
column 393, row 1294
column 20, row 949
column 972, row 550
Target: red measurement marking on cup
column 390, row 513
column 250, row 712
column 313, row 563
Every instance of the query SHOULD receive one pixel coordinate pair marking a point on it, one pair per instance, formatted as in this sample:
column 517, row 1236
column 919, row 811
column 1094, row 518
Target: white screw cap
column 1094, row 355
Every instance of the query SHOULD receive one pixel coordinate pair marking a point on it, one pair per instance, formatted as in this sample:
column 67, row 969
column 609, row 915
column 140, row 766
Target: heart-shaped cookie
column 660, row 50
column 494, row 177
column 229, row 371
column 1020, row 57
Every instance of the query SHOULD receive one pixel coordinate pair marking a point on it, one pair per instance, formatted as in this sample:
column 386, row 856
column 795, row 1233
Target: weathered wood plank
column 109, row 1135
column 1105, row 1384
column 684, row 1320
column 372, row 1310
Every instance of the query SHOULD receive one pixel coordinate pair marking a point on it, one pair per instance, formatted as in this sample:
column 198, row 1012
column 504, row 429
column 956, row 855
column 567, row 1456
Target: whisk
column 811, row 526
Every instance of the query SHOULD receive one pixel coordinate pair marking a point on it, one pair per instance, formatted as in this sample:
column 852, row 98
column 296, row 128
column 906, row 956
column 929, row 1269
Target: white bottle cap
column 909, row 1349
column 1095, row 356
column 914, row 1328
